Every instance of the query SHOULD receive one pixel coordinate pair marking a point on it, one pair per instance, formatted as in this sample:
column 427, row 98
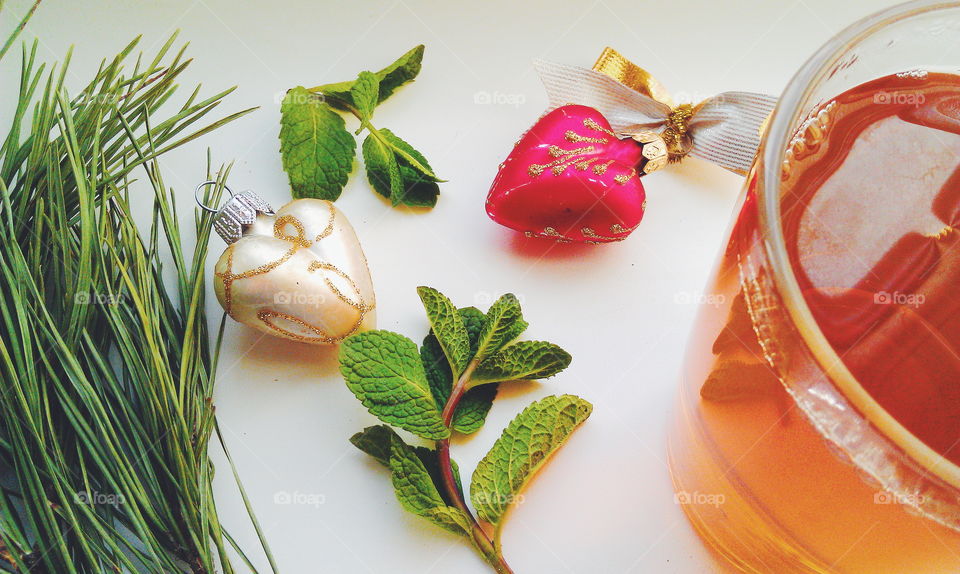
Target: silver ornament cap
column 237, row 214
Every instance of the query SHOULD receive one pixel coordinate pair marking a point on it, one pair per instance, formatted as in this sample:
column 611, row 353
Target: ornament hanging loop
column 204, row 206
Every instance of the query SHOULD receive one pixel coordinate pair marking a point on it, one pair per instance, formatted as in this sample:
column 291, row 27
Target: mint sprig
column 446, row 388
column 317, row 151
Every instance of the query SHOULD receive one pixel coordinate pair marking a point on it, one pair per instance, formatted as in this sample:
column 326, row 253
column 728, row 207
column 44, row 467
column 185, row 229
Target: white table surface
column 604, row 504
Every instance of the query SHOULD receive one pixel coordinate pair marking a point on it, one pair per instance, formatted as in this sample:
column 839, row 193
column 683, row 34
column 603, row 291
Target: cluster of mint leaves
column 318, row 152
column 445, row 387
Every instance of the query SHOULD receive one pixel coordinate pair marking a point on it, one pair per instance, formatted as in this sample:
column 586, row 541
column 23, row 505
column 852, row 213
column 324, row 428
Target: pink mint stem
column 480, row 538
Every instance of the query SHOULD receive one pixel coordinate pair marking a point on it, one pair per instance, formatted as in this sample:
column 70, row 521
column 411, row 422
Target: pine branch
column 107, row 370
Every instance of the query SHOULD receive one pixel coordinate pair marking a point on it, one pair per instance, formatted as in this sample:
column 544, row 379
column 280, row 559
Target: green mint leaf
column 431, row 462
column 435, row 362
column 364, row 93
column 522, row 360
column 437, row 369
column 383, row 172
column 476, row 403
column 473, row 319
column 404, row 69
column 450, row 519
column 377, row 441
column 504, row 323
column 448, row 327
column 416, row 490
column 410, row 156
column 315, row 147
column 392, row 176
column 417, row 191
column 473, row 408
column 401, row 71
column 384, row 371
column 521, row 451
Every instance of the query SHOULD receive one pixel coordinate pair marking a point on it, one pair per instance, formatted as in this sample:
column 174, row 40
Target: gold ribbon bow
column 674, row 133
column 724, row 129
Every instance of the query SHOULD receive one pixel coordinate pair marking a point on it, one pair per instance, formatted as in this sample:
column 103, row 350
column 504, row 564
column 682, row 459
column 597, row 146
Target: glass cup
column 783, row 456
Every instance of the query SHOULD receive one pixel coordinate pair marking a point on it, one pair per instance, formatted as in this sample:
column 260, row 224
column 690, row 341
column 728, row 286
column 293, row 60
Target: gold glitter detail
column 572, row 136
column 329, row 228
column 227, row 285
column 593, row 125
column 228, row 276
column 600, row 239
column 583, row 165
column 279, row 227
column 537, row 169
column 549, row 233
column 552, row 233
column 322, row 337
column 600, row 169
column 563, row 166
column 359, row 305
column 279, row 232
column 625, row 177
column 557, row 151
column 619, row 229
column 566, row 158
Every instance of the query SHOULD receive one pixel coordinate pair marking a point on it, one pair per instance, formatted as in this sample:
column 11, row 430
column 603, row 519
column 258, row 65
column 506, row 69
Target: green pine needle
column 106, row 371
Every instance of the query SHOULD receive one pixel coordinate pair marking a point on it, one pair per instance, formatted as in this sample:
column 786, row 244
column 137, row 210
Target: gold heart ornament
column 298, row 273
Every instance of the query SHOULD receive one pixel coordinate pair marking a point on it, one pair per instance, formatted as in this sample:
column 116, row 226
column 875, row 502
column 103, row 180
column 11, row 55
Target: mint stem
column 481, row 540
column 459, row 389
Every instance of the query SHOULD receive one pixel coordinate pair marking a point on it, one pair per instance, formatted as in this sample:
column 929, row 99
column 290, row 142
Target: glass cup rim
column 781, row 128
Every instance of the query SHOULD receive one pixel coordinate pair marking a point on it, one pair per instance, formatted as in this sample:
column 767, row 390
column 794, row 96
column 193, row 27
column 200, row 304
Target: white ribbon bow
column 725, row 129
